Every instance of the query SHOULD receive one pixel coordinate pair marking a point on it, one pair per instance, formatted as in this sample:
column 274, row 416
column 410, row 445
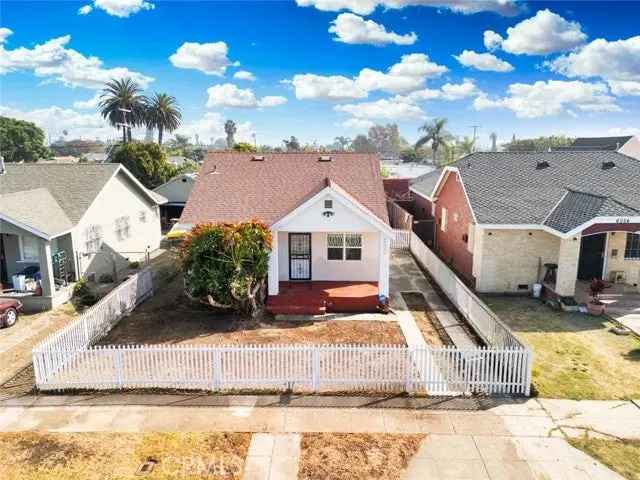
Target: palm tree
column 436, row 133
column 163, row 113
column 466, row 145
column 119, row 95
column 342, row 142
column 230, row 129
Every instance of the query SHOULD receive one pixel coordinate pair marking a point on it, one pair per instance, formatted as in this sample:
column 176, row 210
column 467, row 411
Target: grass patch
column 334, row 456
column 623, row 456
column 575, row 355
column 89, row 456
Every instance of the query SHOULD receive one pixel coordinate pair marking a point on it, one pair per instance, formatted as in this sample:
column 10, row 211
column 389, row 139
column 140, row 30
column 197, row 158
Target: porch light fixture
column 327, row 213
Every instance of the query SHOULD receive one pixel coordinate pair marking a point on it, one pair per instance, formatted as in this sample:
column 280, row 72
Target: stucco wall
column 632, row 148
column 324, row 269
column 119, row 198
column 450, row 244
column 508, row 258
column 618, row 241
column 177, row 190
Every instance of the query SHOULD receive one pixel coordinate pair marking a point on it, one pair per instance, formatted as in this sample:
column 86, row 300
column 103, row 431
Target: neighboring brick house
column 500, row 217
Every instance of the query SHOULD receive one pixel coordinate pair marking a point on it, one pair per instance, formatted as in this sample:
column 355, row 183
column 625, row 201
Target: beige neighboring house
column 60, row 222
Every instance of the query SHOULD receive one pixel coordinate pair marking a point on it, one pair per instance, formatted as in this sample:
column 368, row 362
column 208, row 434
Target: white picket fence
column 55, row 351
column 485, row 322
column 303, row 368
column 401, row 239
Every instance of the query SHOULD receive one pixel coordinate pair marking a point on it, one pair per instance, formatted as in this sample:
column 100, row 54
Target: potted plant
column 595, row 306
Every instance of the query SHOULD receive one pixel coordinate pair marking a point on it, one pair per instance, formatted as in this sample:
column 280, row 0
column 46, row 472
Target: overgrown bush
column 225, row 265
column 105, row 278
column 83, row 295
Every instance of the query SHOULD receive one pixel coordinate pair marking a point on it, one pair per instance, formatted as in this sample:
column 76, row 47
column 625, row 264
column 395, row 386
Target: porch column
column 384, row 259
column 46, row 269
column 274, row 283
column 568, row 257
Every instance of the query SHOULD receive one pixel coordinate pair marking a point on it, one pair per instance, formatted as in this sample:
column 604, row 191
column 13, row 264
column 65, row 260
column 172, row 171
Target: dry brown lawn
column 117, row 456
column 334, row 456
column 425, row 319
column 170, row 318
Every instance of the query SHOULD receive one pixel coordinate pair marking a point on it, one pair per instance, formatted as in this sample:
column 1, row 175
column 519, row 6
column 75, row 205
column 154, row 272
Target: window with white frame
column 344, row 246
column 92, row 238
column 632, row 248
column 123, row 229
column 443, row 219
column 29, row 248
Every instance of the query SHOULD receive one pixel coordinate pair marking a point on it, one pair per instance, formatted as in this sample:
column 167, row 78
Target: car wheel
column 11, row 317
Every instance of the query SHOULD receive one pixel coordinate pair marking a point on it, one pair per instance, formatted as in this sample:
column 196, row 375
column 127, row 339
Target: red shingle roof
column 241, row 189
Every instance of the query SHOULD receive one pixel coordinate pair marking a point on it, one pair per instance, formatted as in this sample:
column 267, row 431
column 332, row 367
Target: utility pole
column 475, row 131
column 125, row 126
column 255, row 142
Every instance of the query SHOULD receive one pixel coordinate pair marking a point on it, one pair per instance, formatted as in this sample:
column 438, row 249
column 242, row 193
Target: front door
column 591, row 256
column 299, row 256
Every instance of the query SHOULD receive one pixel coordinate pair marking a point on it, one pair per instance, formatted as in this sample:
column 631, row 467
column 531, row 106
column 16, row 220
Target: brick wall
column 396, row 188
column 451, row 244
column 421, row 207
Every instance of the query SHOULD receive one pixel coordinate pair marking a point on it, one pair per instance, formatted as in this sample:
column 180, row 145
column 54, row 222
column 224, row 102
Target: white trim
column 426, row 197
column 553, row 231
column 605, row 261
column 596, row 220
column 344, row 247
column 442, row 180
column 343, row 198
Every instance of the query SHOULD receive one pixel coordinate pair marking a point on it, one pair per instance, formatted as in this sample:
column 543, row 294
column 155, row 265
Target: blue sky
column 564, row 67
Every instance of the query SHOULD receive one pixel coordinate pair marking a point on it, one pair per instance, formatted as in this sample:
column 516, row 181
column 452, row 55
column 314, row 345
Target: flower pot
column 596, row 308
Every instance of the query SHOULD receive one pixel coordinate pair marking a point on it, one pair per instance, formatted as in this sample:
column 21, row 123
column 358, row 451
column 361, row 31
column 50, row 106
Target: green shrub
column 134, row 265
column 105, row 278
column 83, row 295
column 227, row 264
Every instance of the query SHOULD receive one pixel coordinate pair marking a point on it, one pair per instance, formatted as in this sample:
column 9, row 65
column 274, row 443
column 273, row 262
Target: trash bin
column 537, row 290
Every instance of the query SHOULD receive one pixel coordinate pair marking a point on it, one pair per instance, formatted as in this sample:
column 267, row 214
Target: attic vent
column 257, row 158
column 608, row 165
column 542, row 164
column 324, row 158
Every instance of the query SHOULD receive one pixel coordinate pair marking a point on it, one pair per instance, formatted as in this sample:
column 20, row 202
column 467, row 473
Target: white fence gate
column 401, row 239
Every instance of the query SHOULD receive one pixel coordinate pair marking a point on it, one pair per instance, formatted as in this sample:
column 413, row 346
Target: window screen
column 632, row 250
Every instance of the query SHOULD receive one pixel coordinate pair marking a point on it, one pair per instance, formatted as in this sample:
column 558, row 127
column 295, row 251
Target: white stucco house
column 60, row 222
column 176, row 191
column 328, row 218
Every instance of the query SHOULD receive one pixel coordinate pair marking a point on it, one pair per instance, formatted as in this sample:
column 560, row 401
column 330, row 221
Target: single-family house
column 59, row 222
column 176, row 191
column 505, row 221
column 627, row 145
column 328, row 217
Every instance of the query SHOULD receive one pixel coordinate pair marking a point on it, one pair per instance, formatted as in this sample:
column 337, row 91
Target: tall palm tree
column 119, row 95
column 436, row 134
column 466, row 145
column 230, row 129
column 163, row 113
column 342, row 142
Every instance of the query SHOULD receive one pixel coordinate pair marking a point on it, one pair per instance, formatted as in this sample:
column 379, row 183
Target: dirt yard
column 170, row 318
column 333, row 456
column 426, row 320
column 118, row 456
column 575, row 355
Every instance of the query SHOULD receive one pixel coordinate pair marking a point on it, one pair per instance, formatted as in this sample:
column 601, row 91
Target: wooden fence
column 399, row 217
column 311, row 368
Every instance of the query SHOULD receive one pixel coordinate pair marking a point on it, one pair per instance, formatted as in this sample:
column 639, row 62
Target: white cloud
column 357, row 124
column 53, row 120
column 384, row 109
column 366, row 7
column 486, row 62
column 491, row 40
column 624, row 88
column 85, row 10
column 244, row 75
column 552, row 97
column 4, row 34
column 229, row 95
column 350, row 28
column 88, row 104
column 118, row 8
column 52, row 59
column 449, row 91
column 211, row 125
column 616, row 60
column 546, row 32
column 334, row 87
column 407, row 75
column 622, row 131
column 210, row 58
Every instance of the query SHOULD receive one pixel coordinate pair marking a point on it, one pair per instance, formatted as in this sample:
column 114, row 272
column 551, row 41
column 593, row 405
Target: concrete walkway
column 272, row 457
column 406, row 276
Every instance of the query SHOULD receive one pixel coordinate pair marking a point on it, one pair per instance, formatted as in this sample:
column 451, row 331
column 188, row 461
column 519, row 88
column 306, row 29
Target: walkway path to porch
column 623, row 304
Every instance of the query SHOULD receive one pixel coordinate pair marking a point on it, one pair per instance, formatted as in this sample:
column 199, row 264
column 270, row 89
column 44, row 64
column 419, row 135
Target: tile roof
column 73, row 186
column 230, row 187
column 509, row 188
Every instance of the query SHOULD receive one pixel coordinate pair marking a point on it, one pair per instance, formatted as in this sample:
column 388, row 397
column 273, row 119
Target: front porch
column 317, row 298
